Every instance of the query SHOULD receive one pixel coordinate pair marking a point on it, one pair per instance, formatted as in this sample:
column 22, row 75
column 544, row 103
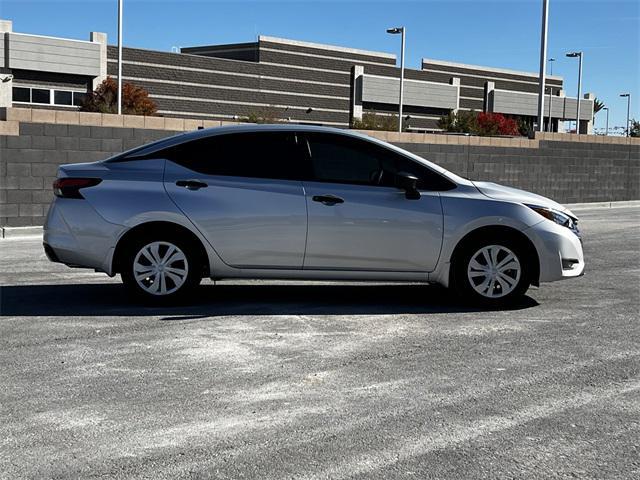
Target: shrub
column 634, row 128
column 104, row 99
column 525, row 127
column 263, row 115
column 376, row 121
column 483, row 123
column 464, row 121
column 496, row 124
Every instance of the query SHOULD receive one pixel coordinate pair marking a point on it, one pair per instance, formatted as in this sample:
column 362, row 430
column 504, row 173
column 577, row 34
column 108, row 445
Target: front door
column 243, row 192
column 357, row 219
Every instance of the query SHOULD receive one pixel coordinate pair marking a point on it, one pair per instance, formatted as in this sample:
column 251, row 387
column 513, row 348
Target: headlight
column 558, row 217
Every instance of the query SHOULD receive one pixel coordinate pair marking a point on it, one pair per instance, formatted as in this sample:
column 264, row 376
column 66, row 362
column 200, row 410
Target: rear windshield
column 140, row 152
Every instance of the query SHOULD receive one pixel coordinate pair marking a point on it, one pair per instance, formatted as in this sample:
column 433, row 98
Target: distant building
column 278, row 78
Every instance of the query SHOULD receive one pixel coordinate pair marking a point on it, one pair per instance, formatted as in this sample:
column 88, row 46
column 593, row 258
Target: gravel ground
column 272, row 380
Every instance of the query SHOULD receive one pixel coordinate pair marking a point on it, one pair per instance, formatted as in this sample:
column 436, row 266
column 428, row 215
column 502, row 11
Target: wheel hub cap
column 160, row 268
column 494, row 271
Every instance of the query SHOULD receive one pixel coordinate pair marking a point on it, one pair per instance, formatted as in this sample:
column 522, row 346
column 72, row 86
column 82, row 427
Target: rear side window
column 275, row 155
column 341, row 159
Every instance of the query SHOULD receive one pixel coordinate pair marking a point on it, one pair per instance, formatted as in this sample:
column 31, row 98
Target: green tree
column 634, row 128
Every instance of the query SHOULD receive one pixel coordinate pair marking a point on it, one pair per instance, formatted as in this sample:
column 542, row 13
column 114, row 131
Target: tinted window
column 40, row 95
column 341, row 159
column 61, row 97
column 21, row 94
column 258, row 155
column 394, row 163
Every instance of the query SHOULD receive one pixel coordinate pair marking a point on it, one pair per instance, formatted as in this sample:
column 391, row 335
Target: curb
column 9, row 233
column 600, row 205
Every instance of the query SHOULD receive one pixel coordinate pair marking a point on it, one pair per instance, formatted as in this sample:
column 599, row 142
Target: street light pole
column 628, row 95
column 120, row 57
column 551, row 60
column 606, row 132
column 543, row 63
column 395, row 31
column 580, row 55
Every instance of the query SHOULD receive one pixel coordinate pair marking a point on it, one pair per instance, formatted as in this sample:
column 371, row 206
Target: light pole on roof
column 543, row 63
column 395, row 31
column 628, row 95
column 551, row 60
column 579, row 55
column 120, row 57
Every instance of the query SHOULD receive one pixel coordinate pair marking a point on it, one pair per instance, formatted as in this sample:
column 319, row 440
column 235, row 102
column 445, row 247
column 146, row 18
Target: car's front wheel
column 492, row 272
column 160, row 269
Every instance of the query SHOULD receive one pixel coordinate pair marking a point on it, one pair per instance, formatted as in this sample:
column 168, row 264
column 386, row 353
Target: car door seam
column 306, row 235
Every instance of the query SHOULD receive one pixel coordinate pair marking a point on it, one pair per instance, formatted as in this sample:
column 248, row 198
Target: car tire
column 160, row 268
column 493, row 271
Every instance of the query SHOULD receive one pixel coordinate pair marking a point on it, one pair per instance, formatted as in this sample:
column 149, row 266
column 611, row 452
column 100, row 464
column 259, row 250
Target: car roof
column 180, row 138
column 276, row 127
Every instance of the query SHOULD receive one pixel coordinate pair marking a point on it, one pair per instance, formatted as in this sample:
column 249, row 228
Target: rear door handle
column 328, row 200
column 191, row 184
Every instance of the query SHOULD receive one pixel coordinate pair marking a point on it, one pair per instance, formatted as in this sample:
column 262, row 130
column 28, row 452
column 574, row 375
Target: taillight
column 70, row 187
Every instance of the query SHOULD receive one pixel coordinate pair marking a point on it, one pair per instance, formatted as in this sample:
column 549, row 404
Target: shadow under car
column 225, row 299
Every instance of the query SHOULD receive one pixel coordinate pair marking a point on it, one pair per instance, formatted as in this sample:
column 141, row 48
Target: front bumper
column 559, row 251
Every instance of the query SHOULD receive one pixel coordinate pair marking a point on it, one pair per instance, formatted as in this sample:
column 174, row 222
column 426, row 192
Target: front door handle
column 327, row 199
column 191, row 184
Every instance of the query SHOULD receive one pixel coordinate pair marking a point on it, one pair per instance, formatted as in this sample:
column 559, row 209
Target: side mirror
column 409, row 183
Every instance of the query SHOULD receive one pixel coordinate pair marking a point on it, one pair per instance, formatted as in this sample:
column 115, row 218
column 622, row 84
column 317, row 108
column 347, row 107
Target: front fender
column 464, row 214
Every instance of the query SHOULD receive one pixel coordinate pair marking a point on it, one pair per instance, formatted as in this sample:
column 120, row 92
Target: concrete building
column 272, row 77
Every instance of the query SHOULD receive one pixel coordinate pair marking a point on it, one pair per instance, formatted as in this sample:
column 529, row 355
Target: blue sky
column 496, row 33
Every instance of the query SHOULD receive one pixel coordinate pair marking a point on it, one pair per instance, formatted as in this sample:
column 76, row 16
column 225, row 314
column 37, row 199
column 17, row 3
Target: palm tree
column 597, row 105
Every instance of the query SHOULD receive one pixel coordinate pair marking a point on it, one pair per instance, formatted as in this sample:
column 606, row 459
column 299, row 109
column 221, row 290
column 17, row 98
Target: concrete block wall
column 568, row 172
column 29, row 162
column 567, row 168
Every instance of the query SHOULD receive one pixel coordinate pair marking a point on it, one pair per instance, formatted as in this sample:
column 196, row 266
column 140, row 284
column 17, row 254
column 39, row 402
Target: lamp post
column 628, row 95
column 551, row 60
column 543, row 63
column 395, row 31
column 606, row 131
column 580, row 55
column 120, row 57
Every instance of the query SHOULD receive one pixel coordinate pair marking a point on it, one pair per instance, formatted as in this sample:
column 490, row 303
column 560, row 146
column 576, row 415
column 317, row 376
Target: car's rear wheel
column 492, row 271
column 161, row 268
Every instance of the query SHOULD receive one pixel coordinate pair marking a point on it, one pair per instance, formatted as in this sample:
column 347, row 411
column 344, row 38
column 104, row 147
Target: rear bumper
column 50, row 253
column 559, row 251
column 76, row 235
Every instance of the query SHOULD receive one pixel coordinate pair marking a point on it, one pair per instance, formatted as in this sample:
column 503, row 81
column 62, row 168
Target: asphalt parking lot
column 277, row 381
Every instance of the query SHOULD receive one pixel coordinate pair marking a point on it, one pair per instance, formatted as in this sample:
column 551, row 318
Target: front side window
column 341, row 159
column 273, row 155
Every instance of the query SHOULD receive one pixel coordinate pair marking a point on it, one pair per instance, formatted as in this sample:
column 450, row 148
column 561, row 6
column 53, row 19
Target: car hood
column 502, row 192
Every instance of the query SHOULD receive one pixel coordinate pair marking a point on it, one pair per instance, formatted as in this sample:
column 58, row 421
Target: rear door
column 357, row 219
column 243, row 192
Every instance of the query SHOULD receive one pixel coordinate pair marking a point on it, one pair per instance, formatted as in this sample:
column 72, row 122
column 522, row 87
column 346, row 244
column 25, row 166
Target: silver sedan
column 304, row 203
